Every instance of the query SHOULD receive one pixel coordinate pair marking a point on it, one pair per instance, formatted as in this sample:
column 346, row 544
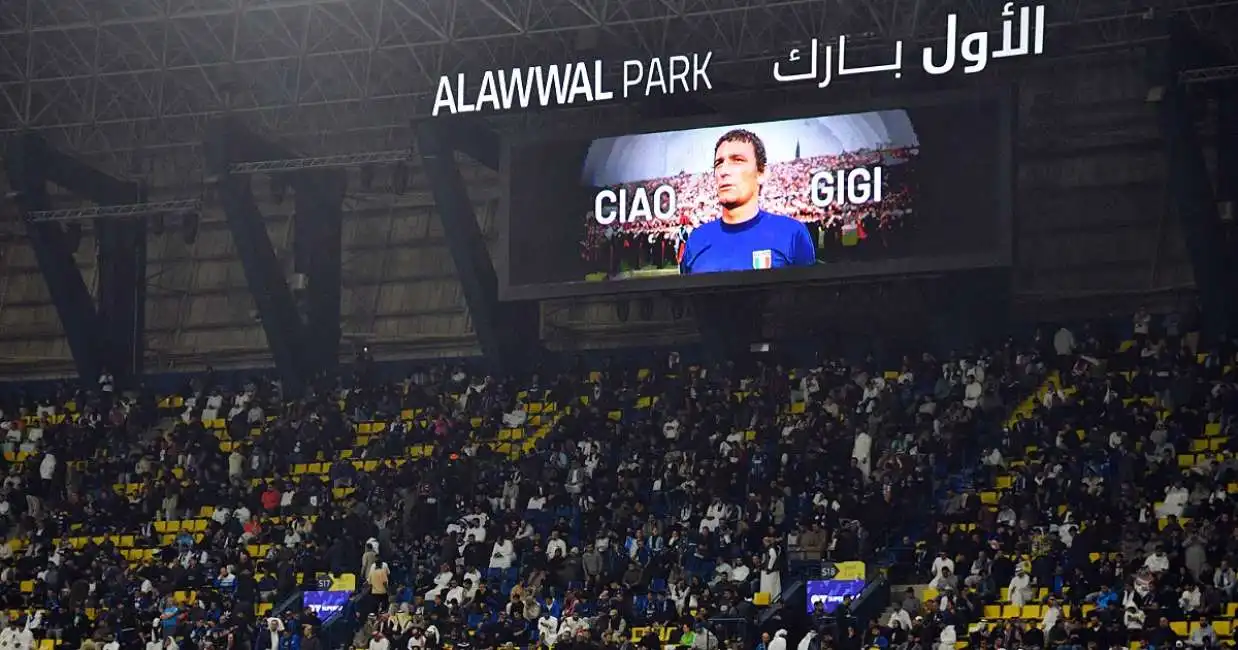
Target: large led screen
column 908, row 189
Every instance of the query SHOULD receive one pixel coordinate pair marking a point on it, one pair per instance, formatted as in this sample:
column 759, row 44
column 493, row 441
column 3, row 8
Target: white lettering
column 700, row 72
column 639, row 204
column 600, row 93
column 847, row 187
column 605, row 210
column 462, row 106
column 633, row 73
column 571, row 83
column 679, row 73
column 582, row 85
column 489, row 93
column 551, row 84
column 515, row 88
column 443, row 97
column 679, row 66
column 655, row 79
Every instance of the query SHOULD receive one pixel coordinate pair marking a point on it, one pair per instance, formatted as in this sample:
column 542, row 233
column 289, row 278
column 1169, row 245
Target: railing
column 337, row 634
column 727, row 628
column 871, row 602
column 288, row 603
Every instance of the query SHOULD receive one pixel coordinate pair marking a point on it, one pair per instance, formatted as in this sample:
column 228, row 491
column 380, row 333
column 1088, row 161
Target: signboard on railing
column 327, row 604
column 839, row 580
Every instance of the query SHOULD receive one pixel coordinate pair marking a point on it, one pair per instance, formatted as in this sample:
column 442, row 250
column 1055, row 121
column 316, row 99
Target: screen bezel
column 1001, row 256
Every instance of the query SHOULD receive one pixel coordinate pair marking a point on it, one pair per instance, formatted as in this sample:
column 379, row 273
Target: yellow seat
column 1180, row 628
column 761, row 598
column 1011, row 611
column 992, row 611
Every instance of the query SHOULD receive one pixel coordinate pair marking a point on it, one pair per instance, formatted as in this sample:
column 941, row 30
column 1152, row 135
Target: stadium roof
column 104, row 78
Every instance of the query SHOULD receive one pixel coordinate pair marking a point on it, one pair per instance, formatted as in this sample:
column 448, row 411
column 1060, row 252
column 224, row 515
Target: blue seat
column 658, row 586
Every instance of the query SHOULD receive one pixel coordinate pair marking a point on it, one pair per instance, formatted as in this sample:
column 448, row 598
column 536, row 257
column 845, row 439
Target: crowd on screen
column 786, row 191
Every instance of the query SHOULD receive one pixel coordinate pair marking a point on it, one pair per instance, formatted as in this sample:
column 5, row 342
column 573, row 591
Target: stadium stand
column 1101, row 517
column 624, row 505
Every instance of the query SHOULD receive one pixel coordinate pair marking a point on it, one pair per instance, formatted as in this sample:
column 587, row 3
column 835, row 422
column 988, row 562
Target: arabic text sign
column 972, row 51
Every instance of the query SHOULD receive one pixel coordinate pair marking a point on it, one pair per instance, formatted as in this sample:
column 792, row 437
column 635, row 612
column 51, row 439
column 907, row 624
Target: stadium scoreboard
column 911, row 185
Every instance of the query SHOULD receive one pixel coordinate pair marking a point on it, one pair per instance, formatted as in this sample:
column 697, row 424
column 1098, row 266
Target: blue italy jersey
column 766, row 241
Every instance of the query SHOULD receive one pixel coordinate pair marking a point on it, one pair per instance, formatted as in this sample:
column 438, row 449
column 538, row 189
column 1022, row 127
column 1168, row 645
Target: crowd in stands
column 620, row 505
column 787, row 190
column 1103, row 516
column 636, row 503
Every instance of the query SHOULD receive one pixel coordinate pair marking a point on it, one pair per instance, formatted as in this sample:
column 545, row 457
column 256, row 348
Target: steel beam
column 1191, row 197
column 319, row 186
column 506, row 332
column 280, row 318
column 1205, row 75
column 112, row 336
column 125, row 211
column 321, row 162
column 53, row 249
column 1226, row 145
column 121, row 257
column 319, row 231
